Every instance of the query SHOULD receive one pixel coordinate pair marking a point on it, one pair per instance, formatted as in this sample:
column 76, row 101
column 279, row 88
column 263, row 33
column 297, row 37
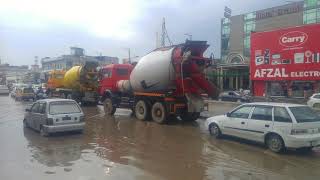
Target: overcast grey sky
column 48, row 28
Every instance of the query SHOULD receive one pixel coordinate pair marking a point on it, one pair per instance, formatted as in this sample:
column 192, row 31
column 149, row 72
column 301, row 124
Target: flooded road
column 122, row 147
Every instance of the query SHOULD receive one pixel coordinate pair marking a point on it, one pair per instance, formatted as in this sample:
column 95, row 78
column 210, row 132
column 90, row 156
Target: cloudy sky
column 42, row 28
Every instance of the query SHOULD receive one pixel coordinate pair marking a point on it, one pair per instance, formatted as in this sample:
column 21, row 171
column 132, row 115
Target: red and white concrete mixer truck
column 167, row 82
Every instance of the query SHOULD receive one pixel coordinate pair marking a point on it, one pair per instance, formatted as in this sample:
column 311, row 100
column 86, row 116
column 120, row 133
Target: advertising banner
column 286, row 54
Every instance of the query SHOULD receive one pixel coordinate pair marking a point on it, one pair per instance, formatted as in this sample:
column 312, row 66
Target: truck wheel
column 141, row 110
column 108, row 107
column 159, row 113
column 190, row 116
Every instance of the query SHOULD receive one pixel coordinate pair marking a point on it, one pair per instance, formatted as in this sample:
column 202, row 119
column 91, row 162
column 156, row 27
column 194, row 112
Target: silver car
column 54, row 115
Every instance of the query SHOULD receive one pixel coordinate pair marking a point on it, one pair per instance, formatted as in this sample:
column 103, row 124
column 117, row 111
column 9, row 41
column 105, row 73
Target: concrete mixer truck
column 79, row 83
column 166, row 83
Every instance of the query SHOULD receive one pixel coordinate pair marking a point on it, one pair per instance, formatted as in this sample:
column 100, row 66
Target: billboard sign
column 286, row 54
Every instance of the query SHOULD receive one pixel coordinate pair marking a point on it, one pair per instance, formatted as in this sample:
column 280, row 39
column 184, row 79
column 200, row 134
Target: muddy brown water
column 122, row 147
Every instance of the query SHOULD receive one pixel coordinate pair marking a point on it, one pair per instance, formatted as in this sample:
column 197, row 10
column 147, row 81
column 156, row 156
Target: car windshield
column 63, row 107
column 304, row 114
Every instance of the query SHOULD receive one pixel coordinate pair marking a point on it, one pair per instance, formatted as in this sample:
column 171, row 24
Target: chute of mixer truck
column 165, row 83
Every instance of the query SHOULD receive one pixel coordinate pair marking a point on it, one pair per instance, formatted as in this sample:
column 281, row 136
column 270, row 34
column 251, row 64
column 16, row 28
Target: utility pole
column 189, row 35
column 164, row 34
column 129, row 56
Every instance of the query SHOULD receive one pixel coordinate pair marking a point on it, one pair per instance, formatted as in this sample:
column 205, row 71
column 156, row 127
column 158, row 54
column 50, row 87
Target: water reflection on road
column 122, row 147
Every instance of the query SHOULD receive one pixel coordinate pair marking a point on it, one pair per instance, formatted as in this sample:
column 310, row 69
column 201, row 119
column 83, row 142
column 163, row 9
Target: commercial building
column 76, row 57
column 14, row 74
column 233, row 73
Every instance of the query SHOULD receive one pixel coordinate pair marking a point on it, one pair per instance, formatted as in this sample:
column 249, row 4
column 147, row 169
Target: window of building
column 311, row 3
column 225, row 44
column 250, row 16
column 249, row 27
column 246, row 44
column 225, row 21
column 226, row 30
column 310, row 16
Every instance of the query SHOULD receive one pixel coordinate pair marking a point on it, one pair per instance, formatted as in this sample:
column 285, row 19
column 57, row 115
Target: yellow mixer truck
column 79, row 83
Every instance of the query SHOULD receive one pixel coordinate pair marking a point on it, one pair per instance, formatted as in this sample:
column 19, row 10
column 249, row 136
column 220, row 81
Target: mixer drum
column 154, row 72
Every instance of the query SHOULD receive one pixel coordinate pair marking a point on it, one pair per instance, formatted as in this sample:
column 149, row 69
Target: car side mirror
column 228, row 114
column 28, row 110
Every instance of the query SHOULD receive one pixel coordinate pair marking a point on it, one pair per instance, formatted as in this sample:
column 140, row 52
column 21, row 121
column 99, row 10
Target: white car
column 54, row 115
column 277, row 125
column 4, row 90
column 314, row 101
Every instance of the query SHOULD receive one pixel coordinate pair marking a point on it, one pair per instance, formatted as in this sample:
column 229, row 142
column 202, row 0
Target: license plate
column 66, row 118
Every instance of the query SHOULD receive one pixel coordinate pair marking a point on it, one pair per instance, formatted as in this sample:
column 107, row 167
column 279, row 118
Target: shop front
column 286, row 62
column 290, row 89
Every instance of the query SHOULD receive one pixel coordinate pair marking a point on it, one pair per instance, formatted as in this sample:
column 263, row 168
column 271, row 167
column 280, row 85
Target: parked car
column 234, row 96
column 278, row 126
column 54, row 115
column 4, row 90
column 24, row 93
column 314, row 101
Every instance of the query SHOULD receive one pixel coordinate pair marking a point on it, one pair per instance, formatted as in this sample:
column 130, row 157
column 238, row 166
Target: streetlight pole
column 129, row 56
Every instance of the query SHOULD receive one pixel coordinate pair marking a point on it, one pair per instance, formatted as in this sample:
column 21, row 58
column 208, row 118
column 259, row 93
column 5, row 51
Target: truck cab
column 111, row 74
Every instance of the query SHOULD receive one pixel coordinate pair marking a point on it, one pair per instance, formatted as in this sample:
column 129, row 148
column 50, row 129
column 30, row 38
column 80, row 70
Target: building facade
column 236, row 31
column 76, row 57
column 14, row 74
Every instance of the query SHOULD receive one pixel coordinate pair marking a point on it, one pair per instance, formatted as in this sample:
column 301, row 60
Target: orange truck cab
column 55, row 79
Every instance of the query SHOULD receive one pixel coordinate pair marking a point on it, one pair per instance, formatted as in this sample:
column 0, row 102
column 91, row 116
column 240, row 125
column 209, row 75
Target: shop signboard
column 286, row 54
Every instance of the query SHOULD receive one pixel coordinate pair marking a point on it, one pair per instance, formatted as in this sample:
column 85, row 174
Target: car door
column 34, row 116
column 236, row 121
column 260, row 122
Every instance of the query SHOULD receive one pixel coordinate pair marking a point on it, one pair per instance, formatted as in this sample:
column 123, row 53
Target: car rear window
column 63, row 108
column 304, row 114
column 281, row 115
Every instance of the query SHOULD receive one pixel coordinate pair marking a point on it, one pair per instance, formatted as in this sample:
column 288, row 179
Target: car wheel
column 214, row 130
column 275, row 143
column 43, row 132
column 25, row 124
